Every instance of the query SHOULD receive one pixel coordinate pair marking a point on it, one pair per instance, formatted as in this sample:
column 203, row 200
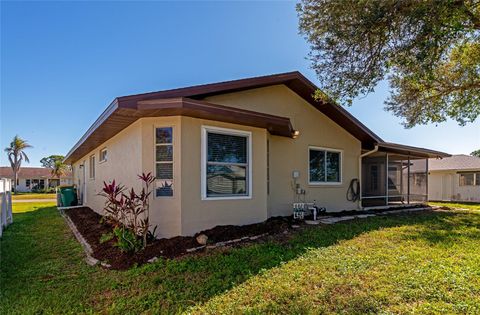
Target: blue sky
column 62, row 63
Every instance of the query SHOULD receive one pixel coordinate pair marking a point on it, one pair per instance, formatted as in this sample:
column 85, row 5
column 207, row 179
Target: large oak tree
column 429, row 50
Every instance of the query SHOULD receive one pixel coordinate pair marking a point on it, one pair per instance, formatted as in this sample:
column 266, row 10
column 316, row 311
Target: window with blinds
column 164, row 161
column 227, row 164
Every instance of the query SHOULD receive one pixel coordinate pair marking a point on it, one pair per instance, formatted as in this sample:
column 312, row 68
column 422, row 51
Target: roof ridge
column 202, row 85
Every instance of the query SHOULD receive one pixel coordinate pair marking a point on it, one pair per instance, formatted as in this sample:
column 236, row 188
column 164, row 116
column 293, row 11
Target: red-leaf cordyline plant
column 115, row 201
column 144, row 199
column 129, row 210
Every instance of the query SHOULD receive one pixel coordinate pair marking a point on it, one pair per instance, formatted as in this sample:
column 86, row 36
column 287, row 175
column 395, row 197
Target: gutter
column 106, row 113
column 360, row 172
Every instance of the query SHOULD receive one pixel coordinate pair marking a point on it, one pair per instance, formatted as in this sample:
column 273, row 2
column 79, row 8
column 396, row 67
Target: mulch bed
column 89, row 224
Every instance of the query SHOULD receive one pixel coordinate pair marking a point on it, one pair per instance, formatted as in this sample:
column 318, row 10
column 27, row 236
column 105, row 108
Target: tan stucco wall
column 132, row 152
column 287, row 155
column 165, row 212
column 123, row 164
column 198, row 214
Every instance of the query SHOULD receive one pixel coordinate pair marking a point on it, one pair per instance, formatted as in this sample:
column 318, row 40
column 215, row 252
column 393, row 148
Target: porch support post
column 408, row 181
column 426, row 181
column 360, row 168
column 386, row 179
column 401, row 181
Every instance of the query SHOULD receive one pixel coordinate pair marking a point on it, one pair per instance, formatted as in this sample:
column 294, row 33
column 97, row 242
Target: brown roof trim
column 276, row 125
column 124, row 110
column 294, row 80
column 205, row 90
column 409, row 150
column 116, row 119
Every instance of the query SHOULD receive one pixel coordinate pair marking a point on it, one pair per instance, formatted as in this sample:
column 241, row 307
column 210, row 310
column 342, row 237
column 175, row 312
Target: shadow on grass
column 194, row 280
column 447, row 230
column 35, row 248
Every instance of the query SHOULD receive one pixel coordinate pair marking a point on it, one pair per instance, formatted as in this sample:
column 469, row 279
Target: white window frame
column 155, row 144
column 475, row 178
column 325, row 183
column 91, row 166
column 203, row 181
column 100, row 156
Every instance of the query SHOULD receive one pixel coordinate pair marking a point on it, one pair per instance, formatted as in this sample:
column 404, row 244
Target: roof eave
column 101, row 119
column 410, row 150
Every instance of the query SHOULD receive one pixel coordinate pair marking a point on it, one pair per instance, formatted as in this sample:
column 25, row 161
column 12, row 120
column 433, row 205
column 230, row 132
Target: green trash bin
column 68, row 196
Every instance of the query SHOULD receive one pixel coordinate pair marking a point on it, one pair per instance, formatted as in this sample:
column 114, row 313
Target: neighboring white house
column 455, row 178
column 35, row 178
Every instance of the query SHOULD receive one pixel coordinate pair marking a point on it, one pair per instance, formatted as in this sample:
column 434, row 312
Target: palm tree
column 59, row 169
column 16, row 155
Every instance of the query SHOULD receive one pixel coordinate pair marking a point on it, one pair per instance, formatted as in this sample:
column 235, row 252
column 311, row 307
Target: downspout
column 360, row 172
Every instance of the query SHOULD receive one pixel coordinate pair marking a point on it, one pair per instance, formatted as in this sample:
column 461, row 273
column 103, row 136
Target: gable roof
column 30, row 172
column 187, row 101
column 296, row 81
column 455, row 162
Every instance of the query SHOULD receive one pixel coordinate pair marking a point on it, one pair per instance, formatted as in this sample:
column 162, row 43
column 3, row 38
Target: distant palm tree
column 59, row 169
column 16, row 155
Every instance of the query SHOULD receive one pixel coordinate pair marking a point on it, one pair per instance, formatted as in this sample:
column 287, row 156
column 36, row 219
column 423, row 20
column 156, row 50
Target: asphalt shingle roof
column 455, row 162
column 29, row 172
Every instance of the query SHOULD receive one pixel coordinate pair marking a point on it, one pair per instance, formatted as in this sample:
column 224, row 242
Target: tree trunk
column 15, row 182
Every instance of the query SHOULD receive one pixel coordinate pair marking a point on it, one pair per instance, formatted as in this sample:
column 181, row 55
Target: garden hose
column 353, row 192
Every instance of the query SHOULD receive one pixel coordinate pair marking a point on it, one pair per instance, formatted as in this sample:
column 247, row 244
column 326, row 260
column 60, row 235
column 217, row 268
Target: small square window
column 103, row 155
column 164, row 135
column 164, row 188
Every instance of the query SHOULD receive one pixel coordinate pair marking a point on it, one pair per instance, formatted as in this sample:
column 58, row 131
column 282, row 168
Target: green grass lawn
column 31, row 206
column 24, row 196
column 416, row 263
column 453, row 205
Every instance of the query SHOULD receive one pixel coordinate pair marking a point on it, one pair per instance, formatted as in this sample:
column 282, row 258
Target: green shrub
column 49, row 190
column 129, row 210
column 106, row 237
column 46, row 190
column 127, row 241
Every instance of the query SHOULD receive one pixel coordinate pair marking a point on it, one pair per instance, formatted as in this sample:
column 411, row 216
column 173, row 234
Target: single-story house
column 35, row 178
column 455, row 178
column 239, row 152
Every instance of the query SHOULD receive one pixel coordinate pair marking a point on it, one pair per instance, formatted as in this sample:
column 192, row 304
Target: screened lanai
column 394, row 175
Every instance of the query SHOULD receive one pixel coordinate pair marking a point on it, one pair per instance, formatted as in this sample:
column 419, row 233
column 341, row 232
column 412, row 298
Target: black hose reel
column 353, row 192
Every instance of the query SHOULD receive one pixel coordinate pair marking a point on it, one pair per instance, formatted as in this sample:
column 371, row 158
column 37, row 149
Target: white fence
column 6, row 217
